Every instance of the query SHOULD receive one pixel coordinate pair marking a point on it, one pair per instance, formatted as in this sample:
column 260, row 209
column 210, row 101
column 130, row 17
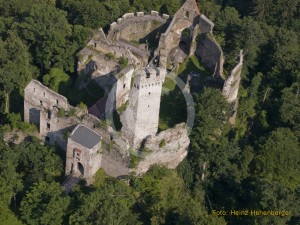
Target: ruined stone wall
column 136, row 26
column 171, row 154
column 211, row 54
column 123, row 85
column 231, row 85
column 142, row 114
column 114, row 163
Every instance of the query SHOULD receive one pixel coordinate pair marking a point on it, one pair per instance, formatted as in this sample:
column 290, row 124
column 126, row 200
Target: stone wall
column 136, row 26
column 231, row 85
column 171, row 154
column 90, row 159
column 123, row 85
column 211, row 54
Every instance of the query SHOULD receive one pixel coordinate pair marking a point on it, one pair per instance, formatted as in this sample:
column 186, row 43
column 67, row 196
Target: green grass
column 173, row 106
column 169, row 84
column 89, row 96
column 192, row 64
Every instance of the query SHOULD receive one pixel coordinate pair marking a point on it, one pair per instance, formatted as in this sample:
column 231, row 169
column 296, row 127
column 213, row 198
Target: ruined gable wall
column 123, row 85
column 210, row 54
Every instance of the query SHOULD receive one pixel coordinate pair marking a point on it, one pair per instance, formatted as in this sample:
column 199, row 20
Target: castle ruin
column 151, row 45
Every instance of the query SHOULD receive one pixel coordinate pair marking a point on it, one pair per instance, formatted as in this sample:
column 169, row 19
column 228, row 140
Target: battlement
column 153, row 15
column 147, row 21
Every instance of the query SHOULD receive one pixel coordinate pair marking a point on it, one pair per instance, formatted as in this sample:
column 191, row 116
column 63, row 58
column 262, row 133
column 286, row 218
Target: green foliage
column 57, row 80
column 46, row 30
column 82, row 106
column 38, row 162
column 110, row 203
column 16, row 123
column 134, row 160
column 123, row 107
column 123, row 62
column 61, row 112
column 45, row 203
column 272, row 161
column 110, row 56
column 162, row 143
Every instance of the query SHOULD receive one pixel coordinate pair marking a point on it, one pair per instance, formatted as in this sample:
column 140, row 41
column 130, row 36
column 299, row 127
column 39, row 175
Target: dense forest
column 253, row 165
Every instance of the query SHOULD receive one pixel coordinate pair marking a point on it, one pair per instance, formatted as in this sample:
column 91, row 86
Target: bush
column 123, row 62
column 134, row 161
column 61, row 112
column 162, row 143
column 71, row 112
column 110, row 56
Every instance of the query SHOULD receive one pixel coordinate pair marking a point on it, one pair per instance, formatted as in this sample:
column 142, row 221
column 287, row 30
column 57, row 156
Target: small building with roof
column 83, row 158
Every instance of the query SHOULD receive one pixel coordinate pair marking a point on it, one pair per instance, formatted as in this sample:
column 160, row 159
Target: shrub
column 123, row 62
column 162, row 143
column 61, row 112
column 110, row 56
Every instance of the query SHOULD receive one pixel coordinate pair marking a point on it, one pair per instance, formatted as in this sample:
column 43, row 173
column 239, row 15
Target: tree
column 15, row 66
column 290, row 105
column 45, row 203
column 38, row 162
column 57, row 80
column 278, row 159
column 109, row 203
column 46, row 31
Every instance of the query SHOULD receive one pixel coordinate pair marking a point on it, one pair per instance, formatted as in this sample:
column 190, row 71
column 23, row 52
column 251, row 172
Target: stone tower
column 141, row 116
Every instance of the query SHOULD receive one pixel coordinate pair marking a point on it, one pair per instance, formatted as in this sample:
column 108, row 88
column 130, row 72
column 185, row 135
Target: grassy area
column 89, row 96
column 172, row 109
column 169, row 84
column 173, row 105
column 192, row 64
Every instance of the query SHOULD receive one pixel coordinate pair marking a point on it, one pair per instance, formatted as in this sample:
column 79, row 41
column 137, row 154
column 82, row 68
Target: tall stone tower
column 141, row 116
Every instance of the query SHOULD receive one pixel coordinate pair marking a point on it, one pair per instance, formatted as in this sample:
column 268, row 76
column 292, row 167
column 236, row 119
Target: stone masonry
column 151, row 44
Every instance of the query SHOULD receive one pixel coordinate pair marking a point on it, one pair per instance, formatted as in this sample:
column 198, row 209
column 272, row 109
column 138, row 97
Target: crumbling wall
column 167, row 148
column 114, row 163
column 210, row 53
column 136, row 26
column 123, row 85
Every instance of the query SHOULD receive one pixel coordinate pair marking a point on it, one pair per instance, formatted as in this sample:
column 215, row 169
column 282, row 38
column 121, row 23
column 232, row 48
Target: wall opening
column 56, row 101
column 71, row 171
column 187, row 14
column 80, row 168
column 48, row 126
column 49, row 114
column 124, row 85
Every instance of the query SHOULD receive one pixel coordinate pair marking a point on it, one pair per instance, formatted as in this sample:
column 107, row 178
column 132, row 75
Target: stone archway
column 80, row 169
